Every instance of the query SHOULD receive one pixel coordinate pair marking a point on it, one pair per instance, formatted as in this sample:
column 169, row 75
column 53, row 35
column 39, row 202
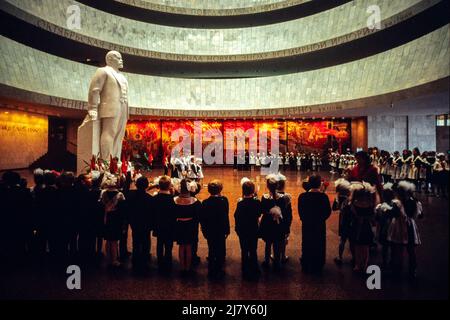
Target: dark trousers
column 276, row 244
column 86, row 244
column 216, row 254
column 412, row 265
column 141, row 246
column 164, row 252
column 123, row 243
column 249, row 256
column 386, row 178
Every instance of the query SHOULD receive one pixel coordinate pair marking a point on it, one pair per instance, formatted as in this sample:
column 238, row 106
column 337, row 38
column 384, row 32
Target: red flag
column 124, row 164
column 93, row 162
column 112, row 165
column 150, row 158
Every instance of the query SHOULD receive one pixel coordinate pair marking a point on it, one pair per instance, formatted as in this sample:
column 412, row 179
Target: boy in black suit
column 215, row 226
column 140, row 215
column 165, row 222
column 246, row 217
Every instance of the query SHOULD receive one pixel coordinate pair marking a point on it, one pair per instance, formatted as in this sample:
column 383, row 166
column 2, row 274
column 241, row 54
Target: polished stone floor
column 38, row 281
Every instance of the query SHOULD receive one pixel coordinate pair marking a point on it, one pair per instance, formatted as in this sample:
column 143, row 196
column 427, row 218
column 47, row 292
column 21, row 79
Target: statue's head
column 114, row 60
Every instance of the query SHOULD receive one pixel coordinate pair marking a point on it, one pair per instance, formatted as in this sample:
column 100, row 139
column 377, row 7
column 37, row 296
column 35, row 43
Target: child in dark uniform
column 288, row 216
column 165, row 222
column 140, row 214
column 195, row 189
column 187, row 211
column 273, row 227
column 215, row 226
column 112, row 200
column 362, row 205
column 384, row 212
column 340, row 204
column 246, row 216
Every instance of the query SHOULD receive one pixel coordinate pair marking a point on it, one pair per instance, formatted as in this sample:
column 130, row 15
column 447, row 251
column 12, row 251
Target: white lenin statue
column 103, row 129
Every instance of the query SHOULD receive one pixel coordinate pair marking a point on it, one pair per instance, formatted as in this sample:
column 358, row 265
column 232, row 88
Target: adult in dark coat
column 63, row 226
column 246, row 216
column 88, row 209
column 139, row 206
column 165, row 222
column 314, row 209
column 99, row 222
column 39, row 242
column 215, row 226
column 16, row 203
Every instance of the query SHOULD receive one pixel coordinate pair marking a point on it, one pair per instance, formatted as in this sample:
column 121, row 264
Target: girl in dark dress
column 412, row 211
column 362, row 206
column 187, row 211
column 314, row 209
column 274, row 223
column 340, row 204
column 112, row 200
column 384, row 213
column 288, row 217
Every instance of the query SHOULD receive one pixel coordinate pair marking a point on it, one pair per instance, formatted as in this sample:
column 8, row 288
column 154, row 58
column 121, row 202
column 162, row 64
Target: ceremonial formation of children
column 64, row 216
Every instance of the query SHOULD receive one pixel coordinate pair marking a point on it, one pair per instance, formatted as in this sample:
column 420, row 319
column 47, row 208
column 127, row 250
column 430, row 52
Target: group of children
column 174, row 214
column 428, row 171
column 340, row 163
column 183, row 166
column 63, row 214
column 391, row 223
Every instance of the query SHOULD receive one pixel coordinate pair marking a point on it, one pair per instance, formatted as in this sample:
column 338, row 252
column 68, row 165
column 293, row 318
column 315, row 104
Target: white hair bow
column 191, row 186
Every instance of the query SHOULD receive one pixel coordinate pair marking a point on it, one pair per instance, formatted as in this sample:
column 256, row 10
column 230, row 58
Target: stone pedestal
column 88, row 143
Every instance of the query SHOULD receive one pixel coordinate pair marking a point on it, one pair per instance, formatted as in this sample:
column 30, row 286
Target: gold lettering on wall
column 23, row 138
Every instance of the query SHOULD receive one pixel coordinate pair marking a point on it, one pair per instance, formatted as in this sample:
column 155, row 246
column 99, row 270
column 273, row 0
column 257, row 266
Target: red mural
column 168, row 127
column 147, row 141
column 315, row 136
column 142, row 142
column 251, row 130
